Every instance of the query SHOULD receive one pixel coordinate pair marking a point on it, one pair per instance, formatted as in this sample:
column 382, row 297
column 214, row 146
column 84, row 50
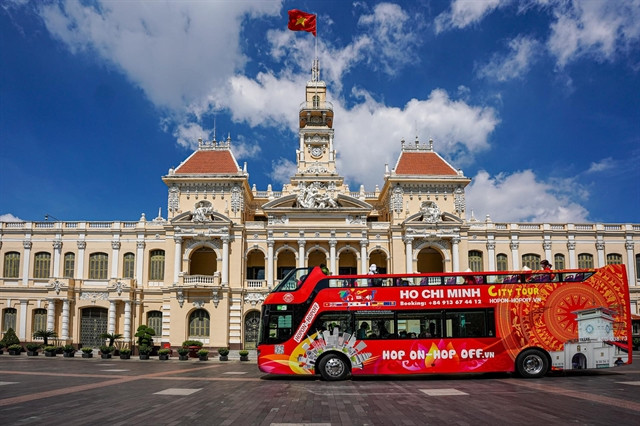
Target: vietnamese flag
column 302, row 21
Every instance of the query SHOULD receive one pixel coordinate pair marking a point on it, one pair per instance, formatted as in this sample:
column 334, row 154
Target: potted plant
column 144, row 351
column 223, row 354
column 244, row 355
column 50, row 351
column 68, row 351
column 10, row 338
column 203, row 354
column 106, row 351
column 193, row 345
column 163, row 354
column 14, row 349
column 32, row 349
column 112, row 337
column 125, row 353
column 183, row 354
column 87, row 352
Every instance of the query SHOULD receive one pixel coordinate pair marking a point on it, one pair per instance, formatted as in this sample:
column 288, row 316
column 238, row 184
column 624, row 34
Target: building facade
column 202, row 272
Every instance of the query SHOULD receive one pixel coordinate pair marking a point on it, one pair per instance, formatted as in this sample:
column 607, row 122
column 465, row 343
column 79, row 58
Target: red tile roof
column 423, row 163
column 209, row 162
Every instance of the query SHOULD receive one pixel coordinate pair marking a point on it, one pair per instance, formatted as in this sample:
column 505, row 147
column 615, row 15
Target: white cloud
column 8, row 217
column 602, row 165
column 394, row 36
column 464, row 13
column 171, row 50
column 522, row 197
column 459, row 130
column 597, row 29
column 522, row 52
column 283, row 169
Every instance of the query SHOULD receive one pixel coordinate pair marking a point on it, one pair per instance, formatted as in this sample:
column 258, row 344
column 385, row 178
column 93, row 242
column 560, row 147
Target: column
column 363, row 256
column 51, row 314
column 65, row 319
column 177, row 263
column 408, row 253
column 115, row 258
column 111, row 327
column 455, row 254
column 301, row 245
column 139, row 260
column 25, row 262
column 546, row 246
column 600, row 248
column 270, row 244
column 22, row 324
column 225, row 260
column 80, row 263
column 631, row 262
column 127, row 320
column 491, row 250
column 57, row 248
column 571, row 246
column 515, row 256
column 332, row 256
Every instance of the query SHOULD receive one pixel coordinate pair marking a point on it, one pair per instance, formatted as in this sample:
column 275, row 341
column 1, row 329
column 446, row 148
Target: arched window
column 42, row 265
column 475, row 260
column 39, row 319
column 585, row 261
column 11, row 264
column 316, row 101
column 614, row 259
column 502, row 262
column 154, row 320
column 199, row 323
column 128, row 265
column 9, row 319
column 558, row 261
column 98, row 264
column 69, row 265
column 531, row 261
column 156, row 265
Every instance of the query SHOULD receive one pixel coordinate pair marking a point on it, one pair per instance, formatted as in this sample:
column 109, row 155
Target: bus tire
column 333, row 367
column 532, row 363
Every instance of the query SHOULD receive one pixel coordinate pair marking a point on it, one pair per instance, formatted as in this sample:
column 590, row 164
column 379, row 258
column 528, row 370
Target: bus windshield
column 293, row 280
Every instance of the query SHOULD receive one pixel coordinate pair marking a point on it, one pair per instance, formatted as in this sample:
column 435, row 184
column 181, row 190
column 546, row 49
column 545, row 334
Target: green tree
column 45, row 334
column 111, row 336
column 10, row 338
column 145, row 335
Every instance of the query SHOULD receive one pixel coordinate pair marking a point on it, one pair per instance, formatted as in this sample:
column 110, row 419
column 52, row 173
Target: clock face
column 316, row 151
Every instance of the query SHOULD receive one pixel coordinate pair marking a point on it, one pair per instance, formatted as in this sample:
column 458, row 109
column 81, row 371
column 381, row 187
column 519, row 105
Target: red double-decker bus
column 521, row 321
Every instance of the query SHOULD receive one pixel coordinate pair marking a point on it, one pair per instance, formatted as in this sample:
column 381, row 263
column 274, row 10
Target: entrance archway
column 429, row 260
column 93, row 323
column 251, row 326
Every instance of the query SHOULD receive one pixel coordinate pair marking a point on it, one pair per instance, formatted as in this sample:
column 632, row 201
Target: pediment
column 339, row 203
column 202, row 213
column 432, row 218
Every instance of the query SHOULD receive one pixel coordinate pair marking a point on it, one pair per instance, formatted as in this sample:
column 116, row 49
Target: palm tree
column 45, row 334
column 111, row 336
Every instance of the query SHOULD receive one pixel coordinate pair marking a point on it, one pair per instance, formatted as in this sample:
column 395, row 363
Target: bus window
column 329, row 321
column 423, row 324
column 280, row 327
column 293, row 280
column 475, row 323
column 381, row 324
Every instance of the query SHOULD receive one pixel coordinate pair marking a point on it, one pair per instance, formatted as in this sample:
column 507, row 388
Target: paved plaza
column 52, row 391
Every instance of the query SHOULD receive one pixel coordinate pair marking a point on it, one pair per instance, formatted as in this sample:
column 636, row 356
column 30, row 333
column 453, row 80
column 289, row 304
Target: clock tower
column 316, row 156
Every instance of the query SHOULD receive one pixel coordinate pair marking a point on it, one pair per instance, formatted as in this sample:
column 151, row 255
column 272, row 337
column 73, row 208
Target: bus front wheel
column 532, row 364
column 333, row 367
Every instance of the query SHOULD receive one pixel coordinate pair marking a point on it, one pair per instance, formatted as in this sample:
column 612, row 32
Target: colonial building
column 203, row 271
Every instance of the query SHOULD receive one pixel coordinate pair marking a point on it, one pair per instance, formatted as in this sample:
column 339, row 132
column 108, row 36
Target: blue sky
column 537, row 101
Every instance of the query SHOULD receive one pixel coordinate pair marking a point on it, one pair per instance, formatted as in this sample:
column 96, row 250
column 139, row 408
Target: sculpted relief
column 311, row 197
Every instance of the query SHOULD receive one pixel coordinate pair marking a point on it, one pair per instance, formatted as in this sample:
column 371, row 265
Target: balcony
column 203, row 281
